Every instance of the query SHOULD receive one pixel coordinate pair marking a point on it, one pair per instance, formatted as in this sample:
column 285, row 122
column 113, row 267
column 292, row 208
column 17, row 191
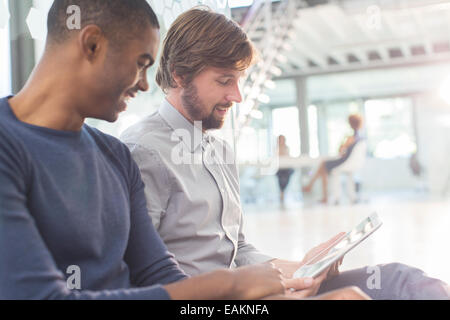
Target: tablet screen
column 341, row 246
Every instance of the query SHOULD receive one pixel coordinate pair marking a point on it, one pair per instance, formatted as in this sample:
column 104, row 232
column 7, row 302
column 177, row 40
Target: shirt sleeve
column 156, row 179
column 147, row 256
column 27, row 267
column 247, row 253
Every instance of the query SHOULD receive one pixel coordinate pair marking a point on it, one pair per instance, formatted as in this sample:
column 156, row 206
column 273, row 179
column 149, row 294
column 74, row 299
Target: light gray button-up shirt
column 192, row 189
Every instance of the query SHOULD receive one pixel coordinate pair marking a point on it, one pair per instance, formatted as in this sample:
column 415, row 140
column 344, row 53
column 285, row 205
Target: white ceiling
column 354, row 34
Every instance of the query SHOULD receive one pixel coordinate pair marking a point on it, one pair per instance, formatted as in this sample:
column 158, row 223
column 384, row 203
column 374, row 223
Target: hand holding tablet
column 338, row 247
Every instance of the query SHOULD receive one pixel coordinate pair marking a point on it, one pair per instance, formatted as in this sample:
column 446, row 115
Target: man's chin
column 117, row 111
column 213, row 124
column 112, row 117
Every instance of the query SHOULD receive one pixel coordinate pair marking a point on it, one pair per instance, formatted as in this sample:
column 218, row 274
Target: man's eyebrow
column 227, row 75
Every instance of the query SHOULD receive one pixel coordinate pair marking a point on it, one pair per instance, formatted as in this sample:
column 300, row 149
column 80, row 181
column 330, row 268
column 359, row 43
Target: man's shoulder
column 152, row 132
column 6, row 121
column 10, row 144
column 101, row 136
column 108, row 144
column 10, row 141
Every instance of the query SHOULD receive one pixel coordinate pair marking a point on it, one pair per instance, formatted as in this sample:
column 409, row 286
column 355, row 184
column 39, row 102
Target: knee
column 396, row 269
column 391, row 273
column 322, row 166
column 413, row 283
column 394, row 266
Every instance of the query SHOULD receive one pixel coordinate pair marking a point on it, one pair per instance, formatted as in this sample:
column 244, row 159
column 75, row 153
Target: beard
column 198, row 111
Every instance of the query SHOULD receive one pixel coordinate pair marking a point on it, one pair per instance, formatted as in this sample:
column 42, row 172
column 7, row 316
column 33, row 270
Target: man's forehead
column 227, row 72
column 151, row 37
column 147, row 43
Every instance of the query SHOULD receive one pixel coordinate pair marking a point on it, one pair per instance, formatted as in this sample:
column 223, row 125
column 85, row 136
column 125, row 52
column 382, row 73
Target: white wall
column 433, row 126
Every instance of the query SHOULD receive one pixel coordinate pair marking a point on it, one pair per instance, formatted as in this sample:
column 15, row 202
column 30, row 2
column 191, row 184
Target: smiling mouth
column 222, row 111
column 125, row 101
column 223, row 108
column 128, row 97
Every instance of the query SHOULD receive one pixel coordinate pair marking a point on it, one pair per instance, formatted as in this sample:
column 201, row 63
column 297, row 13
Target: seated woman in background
column 283, row 174
column 345, row 150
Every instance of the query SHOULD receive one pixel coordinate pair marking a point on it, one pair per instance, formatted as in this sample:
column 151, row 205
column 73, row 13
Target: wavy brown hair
column 201, row 38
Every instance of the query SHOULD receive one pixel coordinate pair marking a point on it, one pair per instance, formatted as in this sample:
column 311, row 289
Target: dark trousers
column 393, row 281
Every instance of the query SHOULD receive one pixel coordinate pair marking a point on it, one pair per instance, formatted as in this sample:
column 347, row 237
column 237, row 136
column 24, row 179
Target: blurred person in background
column 283, row 174
column 355, row 121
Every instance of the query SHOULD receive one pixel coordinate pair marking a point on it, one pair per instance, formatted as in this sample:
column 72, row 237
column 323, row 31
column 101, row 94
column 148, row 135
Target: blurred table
column 284, row 162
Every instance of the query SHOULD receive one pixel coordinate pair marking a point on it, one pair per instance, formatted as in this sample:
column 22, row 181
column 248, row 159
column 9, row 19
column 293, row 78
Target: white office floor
column 415, row 231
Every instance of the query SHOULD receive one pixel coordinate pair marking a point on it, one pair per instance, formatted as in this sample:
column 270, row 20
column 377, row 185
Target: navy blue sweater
column 75, row 199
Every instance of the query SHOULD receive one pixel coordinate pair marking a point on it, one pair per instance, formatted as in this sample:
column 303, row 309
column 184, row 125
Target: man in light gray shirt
column 194, row 203
column 192, row 183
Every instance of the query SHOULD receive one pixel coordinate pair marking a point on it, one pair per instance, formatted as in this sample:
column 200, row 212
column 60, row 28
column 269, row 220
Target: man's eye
column 222, row 83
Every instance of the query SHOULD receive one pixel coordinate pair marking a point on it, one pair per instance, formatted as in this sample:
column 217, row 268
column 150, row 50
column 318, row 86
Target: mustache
column 226, row 105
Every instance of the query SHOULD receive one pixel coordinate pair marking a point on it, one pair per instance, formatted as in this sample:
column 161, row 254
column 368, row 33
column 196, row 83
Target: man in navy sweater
column 73, row 213
column 72, row 201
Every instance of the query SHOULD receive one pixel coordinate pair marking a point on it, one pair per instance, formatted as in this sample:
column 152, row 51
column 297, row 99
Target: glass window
column 389, row 127
column 313, row 131
column 5, row 59
column 243, row 3
column 252, row 145
column 285, row 122
column 337, row 125
column 42, row 7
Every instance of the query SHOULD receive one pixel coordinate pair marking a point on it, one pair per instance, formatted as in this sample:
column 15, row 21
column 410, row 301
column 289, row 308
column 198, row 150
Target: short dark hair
column 118, row 19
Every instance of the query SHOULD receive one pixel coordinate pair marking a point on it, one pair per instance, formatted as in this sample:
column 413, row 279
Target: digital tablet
column 316, row 265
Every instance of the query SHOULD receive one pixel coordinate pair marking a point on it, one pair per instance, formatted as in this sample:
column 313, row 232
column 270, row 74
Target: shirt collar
column 192, row 136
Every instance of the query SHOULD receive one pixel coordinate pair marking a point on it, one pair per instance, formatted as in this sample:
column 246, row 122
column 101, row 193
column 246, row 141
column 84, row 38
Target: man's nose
column 235, row 94
column 143, row 83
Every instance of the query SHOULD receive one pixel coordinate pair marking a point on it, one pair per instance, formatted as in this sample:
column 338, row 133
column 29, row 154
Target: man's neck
column 47, row 100
column 174, row 98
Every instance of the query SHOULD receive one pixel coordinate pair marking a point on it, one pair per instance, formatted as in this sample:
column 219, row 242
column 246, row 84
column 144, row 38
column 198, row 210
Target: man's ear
column 179, row 80
column 91, row 41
